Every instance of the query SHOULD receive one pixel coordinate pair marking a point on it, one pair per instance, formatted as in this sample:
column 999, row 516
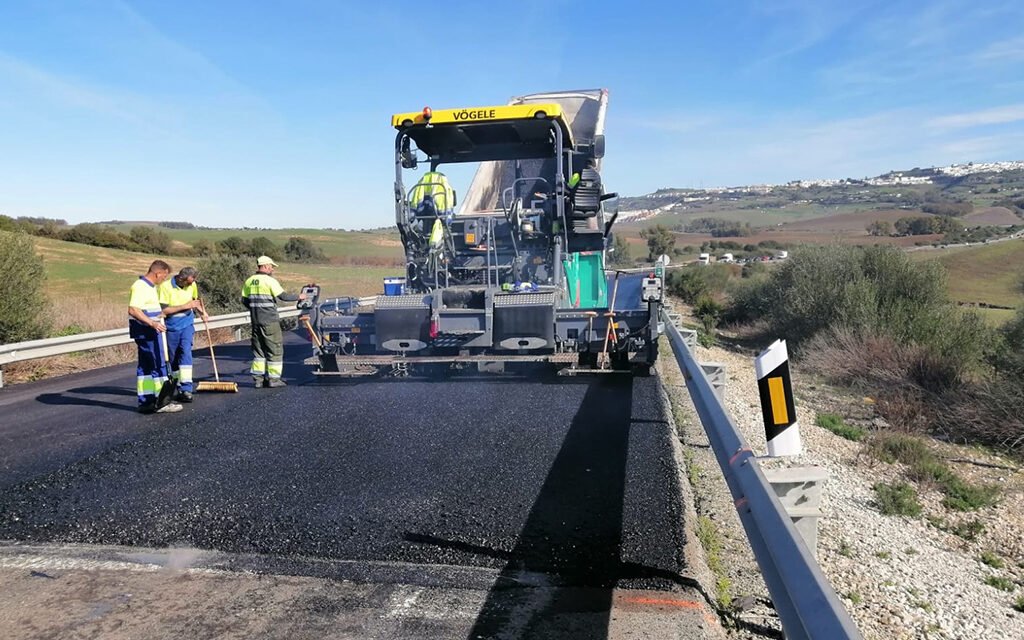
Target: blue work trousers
column 179, row 345
column 150, row 374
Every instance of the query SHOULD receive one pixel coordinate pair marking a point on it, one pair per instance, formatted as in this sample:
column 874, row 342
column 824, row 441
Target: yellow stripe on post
column 777, row 391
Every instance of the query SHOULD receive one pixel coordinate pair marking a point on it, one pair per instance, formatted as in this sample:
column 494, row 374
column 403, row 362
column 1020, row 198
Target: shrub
column 708, row 311
column 99, row 235
column 753, row 269
column 992, row 559
column 990, row 412
column 877, row 291
column 836, row 425
column 969, row 529
column 687, row 284
column 21, row 289
column 897, row 499
column 899, row 447
column 151, row 239
column 999, row 582
column 1008, row 355
column 220, row 282
column 963, row 496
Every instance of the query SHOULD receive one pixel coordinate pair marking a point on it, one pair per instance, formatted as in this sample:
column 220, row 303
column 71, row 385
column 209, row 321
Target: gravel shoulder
column 899, row 577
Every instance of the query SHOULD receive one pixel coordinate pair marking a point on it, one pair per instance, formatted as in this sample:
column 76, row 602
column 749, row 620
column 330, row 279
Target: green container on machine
column 584, row 274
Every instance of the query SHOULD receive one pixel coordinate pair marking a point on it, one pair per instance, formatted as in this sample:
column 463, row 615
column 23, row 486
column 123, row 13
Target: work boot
column 257, row 382
column 147, row 407
column 183, row 396
column 276, row 382
column 173, row 407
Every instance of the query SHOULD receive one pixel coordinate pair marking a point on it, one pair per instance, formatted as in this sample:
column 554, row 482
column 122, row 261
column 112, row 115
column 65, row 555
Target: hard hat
column 265, row 260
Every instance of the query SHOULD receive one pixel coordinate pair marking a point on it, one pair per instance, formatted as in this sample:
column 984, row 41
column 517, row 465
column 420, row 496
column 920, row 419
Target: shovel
column 170, row 388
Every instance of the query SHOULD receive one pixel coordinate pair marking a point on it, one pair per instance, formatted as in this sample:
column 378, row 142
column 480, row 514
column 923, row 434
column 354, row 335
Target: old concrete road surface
column 466, row 507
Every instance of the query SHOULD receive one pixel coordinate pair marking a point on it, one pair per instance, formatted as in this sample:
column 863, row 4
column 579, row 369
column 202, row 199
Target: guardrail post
column 799, row 491
column 237, row 333
column 689, row 337
column 715, row 371
column 778, row 406
column 1, row 377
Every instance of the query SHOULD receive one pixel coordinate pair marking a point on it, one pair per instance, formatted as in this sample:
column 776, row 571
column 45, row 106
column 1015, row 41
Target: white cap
column 262, row 260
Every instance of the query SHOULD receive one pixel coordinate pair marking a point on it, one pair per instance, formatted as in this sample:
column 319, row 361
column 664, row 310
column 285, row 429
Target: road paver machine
column 514, row 273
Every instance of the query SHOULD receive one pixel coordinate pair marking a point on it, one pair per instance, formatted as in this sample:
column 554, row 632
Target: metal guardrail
column 33, row 349
column 807, row 604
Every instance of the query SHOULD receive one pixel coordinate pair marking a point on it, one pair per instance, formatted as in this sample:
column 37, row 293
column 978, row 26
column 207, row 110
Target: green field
column 334, row 244
column 88, row 275
column 986, row 273
column 995, row 317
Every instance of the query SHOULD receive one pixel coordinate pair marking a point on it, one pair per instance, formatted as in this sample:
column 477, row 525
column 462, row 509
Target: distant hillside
column 980, row 194
column 97, row 275
column 987, row 274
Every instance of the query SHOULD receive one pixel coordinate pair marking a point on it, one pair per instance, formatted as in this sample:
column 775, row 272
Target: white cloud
column 748, row 149
column 1011, row 50
column 32, row 81
column 984, row 117
column 671, row 123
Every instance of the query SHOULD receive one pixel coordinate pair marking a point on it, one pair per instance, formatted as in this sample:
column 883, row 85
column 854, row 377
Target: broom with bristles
column 217, row 385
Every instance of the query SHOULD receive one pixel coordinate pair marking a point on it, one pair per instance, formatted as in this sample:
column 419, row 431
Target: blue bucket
column 394, row 286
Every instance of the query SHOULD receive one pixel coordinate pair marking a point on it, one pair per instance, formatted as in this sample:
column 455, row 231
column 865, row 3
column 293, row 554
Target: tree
column 264, row 246
column 659, row 241
column 21, row 289
column 880, row 228
column 151, row 239
column 203, row 248
column 300, row 249
column 233, row 245
column 620, row 257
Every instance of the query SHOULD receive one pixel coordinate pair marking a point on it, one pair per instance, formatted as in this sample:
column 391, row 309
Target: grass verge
column 711, row 540
column 838, row 426
column 923, row 465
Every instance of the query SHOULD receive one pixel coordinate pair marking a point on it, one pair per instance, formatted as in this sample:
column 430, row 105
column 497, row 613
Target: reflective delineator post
column 777, row 405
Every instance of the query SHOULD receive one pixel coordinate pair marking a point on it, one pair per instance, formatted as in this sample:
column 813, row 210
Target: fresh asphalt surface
column 571, row 479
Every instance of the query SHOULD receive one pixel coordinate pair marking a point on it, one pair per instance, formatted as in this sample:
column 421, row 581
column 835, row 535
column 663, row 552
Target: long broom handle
column 209, row 342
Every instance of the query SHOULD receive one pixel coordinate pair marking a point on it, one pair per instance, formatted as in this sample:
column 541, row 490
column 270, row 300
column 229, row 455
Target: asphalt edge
column 693, row 550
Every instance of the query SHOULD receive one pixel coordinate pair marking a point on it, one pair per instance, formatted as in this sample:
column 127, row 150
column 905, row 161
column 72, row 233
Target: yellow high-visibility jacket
column 433, row 183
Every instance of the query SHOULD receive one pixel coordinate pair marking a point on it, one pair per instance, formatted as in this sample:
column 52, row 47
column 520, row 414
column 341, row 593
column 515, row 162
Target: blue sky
column 276, row 114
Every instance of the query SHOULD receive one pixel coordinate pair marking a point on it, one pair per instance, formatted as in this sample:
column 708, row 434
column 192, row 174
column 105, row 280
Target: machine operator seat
column 582, row 211
column 585, row 196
